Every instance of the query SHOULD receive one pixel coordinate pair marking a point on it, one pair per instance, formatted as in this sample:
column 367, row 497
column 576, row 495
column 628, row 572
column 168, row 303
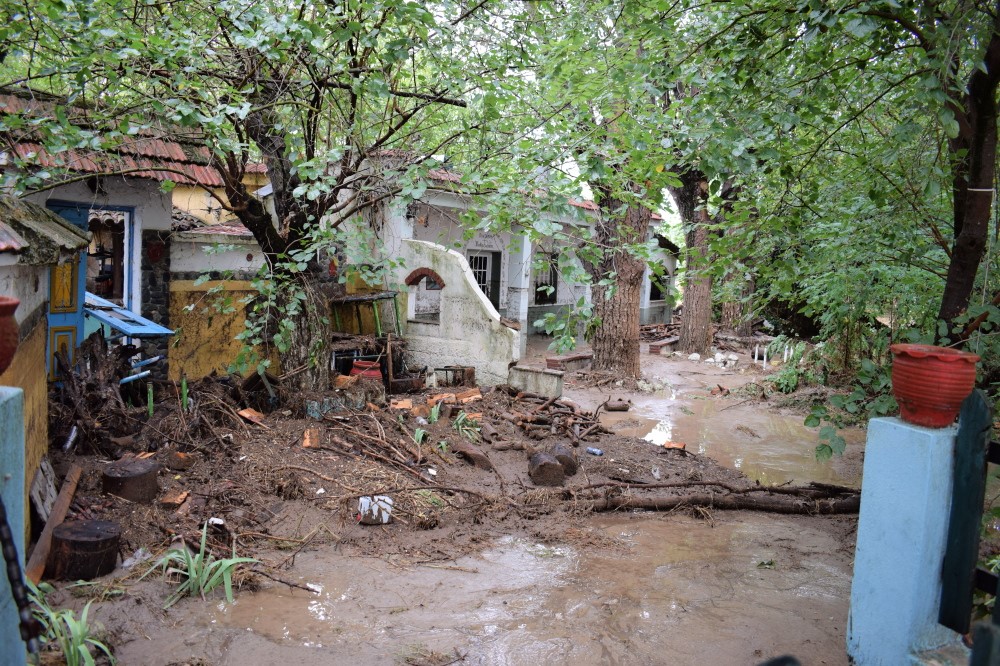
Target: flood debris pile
column 258, row 473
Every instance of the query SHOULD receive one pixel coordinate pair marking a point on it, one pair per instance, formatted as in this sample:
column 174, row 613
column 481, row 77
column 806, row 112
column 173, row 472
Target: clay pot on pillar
column 930, row 383
column 9, row 334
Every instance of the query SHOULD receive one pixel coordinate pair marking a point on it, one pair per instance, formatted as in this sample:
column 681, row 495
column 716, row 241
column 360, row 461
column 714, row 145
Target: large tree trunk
column 616, row 339
column 307, row 311
column 696, row 316
column 973, row 169
column 736, row 313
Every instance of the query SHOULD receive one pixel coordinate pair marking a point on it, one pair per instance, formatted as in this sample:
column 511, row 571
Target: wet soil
column 457, row 579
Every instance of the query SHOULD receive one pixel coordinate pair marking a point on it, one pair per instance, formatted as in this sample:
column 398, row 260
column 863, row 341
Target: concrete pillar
column 902, row 533
column 519, row 286
column 12, row 648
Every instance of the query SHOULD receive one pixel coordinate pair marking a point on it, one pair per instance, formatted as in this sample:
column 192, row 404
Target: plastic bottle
column 594, row 452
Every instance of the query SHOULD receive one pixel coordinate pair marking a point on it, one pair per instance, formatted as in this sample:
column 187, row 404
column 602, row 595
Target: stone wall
column 155, row 294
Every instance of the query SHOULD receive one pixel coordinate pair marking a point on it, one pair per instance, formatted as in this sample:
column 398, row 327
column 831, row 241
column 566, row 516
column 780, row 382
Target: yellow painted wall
column 204, row 337
column 197, row 202
column 347, row 314
column 27, row 372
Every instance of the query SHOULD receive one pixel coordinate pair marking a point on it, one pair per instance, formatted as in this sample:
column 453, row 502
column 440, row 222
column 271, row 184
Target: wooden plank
column 43, row 489
column 962, row 551
column 36, row 564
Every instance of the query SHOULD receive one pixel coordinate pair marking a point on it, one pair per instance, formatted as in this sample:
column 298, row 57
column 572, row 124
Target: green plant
column 435, row 414
column 803, row 366
column 442, row 446
column 199, row 573
column 95, row 590
column 419, row 435
column 72, row 635
column 871, row 397
column 466, row 427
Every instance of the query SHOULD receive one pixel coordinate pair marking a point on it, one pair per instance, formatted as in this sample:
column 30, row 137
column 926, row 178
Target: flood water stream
column 676, row 590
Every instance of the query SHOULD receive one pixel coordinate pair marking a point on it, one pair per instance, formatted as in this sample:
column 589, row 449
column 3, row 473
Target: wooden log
column 566, row 458
column 83, row 549
column 473, row 454
column 36, row 564
column 488, row 432
column 545, row 470
column 132, row 479
column 773, row 504
column 617, row 406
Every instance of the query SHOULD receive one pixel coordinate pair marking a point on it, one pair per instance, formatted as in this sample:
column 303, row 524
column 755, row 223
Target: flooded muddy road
column 685, row 588
column 662, row 590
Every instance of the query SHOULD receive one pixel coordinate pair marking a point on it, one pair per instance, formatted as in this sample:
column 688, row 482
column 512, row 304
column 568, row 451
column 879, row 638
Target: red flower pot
column 9, row 334
column 931, row 382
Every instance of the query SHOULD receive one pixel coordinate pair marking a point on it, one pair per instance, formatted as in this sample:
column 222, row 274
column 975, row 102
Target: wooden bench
column 658, row 346
column 569, row 362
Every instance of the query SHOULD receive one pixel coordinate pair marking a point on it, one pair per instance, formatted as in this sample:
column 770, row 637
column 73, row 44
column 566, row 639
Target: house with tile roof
column 117, row 194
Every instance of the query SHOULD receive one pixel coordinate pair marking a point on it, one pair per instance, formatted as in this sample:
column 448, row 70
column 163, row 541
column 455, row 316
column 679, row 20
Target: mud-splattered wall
column 206, row 319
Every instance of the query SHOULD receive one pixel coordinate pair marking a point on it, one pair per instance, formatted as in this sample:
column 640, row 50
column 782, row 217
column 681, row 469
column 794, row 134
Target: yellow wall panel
column 27, row 372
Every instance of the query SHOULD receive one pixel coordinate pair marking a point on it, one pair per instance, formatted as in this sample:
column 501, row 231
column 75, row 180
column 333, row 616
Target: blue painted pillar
column 902, row 533
column 12, row 648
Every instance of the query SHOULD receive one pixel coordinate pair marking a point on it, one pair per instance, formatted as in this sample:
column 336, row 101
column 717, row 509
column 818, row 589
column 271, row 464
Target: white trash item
column 375, row 510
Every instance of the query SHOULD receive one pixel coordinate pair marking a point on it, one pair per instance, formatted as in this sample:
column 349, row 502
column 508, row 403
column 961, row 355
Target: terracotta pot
column 369, row 369
column 9, row 334
column 931, row 382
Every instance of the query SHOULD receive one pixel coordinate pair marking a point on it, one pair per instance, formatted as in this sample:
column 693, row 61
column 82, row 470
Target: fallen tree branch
column 731, row 503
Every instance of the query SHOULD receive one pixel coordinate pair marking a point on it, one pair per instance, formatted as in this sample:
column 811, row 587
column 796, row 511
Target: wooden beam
column 36, row 564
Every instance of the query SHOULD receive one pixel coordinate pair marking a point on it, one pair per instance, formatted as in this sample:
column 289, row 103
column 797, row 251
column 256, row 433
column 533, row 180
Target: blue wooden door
column 67, row 283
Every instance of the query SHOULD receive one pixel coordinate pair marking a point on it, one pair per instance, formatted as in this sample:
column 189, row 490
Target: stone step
column 658, row 346
column 570, row 362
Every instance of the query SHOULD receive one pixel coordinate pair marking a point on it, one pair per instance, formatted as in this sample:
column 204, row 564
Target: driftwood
column 550, row 416
column 772, row 504
column 36, row 564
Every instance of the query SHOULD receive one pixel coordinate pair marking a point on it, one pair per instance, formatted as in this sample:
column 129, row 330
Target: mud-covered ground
column 482, row 566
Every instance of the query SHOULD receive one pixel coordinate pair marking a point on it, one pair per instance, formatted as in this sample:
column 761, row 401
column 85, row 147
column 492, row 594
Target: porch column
column 519, row 287
column 906, row 494
column 644, row 296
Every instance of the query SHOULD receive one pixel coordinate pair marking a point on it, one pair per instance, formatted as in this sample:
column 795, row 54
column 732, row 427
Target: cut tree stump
column 566, row 458
column 83, row 549
column 133, row 479
column 545, row 470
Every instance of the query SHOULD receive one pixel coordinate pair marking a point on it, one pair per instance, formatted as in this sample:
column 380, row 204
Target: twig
column 283, row 581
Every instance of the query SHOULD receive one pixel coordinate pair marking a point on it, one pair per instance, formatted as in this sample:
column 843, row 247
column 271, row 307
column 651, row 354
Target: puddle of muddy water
column 768, row 447
column 678, row 591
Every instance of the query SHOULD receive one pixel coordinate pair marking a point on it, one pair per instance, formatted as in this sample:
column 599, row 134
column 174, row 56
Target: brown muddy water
column 674, row 590
column 769, row 447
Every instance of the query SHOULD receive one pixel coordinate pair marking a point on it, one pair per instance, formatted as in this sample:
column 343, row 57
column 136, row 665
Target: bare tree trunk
column 696, row 316
column 616, row 339
column 973, row 173
column 736, row 315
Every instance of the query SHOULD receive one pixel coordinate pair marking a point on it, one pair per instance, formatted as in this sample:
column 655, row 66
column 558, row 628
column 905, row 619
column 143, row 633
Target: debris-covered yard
column 290, row 480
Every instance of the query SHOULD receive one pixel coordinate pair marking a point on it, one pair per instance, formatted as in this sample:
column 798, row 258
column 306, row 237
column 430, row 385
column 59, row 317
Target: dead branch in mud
column 850, row 504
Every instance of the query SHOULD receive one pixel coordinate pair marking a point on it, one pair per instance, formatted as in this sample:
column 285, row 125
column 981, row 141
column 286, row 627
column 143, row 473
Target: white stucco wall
column 438, row 223
column 469, row 331
column 198, row 253
column 28, row 284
